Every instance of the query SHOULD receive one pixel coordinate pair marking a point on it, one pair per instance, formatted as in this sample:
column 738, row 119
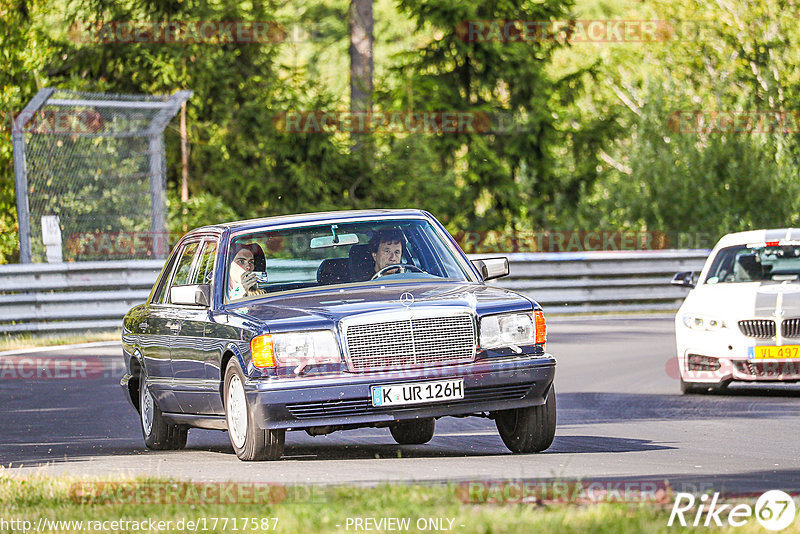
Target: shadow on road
column 594, row 408
column 589, row 444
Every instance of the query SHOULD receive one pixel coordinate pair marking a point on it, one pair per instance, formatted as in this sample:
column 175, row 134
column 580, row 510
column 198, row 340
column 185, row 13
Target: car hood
column 309, row 309
column 746, row 300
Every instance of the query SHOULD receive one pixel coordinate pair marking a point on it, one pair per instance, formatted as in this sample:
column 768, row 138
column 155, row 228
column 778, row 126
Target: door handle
column 143, row 325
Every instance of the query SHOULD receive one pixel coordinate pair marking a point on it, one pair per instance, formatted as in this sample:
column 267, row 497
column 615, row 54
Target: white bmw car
column 741, row 320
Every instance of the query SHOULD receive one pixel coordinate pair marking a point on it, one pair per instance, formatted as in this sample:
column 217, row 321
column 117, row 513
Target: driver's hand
column 249, row 280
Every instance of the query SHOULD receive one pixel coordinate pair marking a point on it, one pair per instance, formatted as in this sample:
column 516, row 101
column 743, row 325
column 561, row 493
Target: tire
column 693, row 388
column 529, row 429
column 158, row 434
column 416, row 432
column 251, row 443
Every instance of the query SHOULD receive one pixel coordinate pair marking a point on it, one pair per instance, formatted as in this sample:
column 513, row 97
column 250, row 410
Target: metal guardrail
column 590, row 282
column 74, row 297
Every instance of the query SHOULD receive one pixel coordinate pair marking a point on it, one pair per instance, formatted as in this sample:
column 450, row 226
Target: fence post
column 21, row 171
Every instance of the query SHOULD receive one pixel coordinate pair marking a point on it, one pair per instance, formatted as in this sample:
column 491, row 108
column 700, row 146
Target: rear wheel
column 529, row 429
column 250, row 442
column 158, row 434
column 414, row 432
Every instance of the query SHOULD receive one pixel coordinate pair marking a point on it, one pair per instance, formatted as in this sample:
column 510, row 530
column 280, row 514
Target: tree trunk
column 361, row 64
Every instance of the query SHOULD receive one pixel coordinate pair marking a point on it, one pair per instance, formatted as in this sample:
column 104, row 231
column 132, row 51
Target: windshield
column 754, row 264
column 335, row 254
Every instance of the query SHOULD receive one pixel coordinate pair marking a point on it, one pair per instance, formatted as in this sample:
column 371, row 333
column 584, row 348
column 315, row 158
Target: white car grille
column 411, row 341
column 790, row 328
column 758, row 328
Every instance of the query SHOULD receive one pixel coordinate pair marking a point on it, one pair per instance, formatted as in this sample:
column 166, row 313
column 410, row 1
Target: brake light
column 540, row 326
column 773, row 243
column 262, row 351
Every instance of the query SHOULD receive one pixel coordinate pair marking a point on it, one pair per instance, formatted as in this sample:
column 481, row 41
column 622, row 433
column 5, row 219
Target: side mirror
column 191, row 295
column 491, row 268
column 684, row 279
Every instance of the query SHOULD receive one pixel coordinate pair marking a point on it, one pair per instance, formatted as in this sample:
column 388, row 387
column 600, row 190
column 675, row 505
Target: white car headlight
column 507, row 330
column 299, row 349
column 702, row 322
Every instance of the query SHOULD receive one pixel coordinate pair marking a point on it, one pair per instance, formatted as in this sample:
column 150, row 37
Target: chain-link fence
column 90, row 175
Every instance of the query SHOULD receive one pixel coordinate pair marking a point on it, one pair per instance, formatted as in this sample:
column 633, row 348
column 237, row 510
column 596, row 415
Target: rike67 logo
column 774, row 510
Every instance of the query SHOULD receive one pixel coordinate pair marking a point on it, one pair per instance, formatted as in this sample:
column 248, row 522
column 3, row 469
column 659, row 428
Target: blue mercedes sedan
column 333, row 321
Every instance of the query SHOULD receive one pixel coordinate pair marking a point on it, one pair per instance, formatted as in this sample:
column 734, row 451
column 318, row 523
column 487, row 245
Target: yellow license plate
column 776, row 353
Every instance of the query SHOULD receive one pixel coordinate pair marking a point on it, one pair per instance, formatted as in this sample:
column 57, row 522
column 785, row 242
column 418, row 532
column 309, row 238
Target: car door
column 158, row 324
column 188, row 353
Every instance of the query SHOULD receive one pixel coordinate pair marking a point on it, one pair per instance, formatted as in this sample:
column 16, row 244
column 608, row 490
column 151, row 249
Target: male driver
column 387, row 248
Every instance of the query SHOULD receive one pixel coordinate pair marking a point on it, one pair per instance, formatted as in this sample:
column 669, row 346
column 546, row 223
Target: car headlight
column 299, row 349
column 512, row 330
column 702, row 322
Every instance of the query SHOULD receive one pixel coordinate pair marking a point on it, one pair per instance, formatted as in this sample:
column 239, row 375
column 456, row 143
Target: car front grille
column 769, row 369
column 790, row 328
column 363, row 406
column 409, row 342
column 758, row 328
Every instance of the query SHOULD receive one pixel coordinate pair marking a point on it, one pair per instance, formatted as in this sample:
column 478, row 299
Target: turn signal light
column 262, row 351
column 541, row 327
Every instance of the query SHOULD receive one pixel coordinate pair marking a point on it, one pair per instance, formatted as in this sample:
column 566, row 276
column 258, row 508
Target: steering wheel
column 401, row 267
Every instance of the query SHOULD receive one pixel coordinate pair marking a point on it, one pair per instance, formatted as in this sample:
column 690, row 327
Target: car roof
column 759, row 236
column 322, row 217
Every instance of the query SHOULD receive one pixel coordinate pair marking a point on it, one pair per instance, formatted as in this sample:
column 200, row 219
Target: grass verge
column 29, row 341
column 145, row 502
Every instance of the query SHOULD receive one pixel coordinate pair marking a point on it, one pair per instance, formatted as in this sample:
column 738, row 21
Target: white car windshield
column 744, row 263
column 340, row 253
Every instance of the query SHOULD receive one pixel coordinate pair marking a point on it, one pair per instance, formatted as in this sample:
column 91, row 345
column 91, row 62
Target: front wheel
column 414, row 432
column 158, row 434
column 250, row 442
column 529, row 429
column 695, row 388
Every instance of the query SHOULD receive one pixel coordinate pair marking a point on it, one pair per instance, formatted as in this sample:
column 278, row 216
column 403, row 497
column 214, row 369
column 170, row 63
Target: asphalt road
column 620, row 417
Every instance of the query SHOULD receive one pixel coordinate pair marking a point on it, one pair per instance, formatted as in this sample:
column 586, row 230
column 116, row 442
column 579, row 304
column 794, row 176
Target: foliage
column 200, row 210
column 659, row 175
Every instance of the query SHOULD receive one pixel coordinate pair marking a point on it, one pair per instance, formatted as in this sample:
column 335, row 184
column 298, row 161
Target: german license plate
column 775, row 353
column 417, row 392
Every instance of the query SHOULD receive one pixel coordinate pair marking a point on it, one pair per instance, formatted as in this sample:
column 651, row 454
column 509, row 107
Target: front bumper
column 489, row 385
column 741, row 369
